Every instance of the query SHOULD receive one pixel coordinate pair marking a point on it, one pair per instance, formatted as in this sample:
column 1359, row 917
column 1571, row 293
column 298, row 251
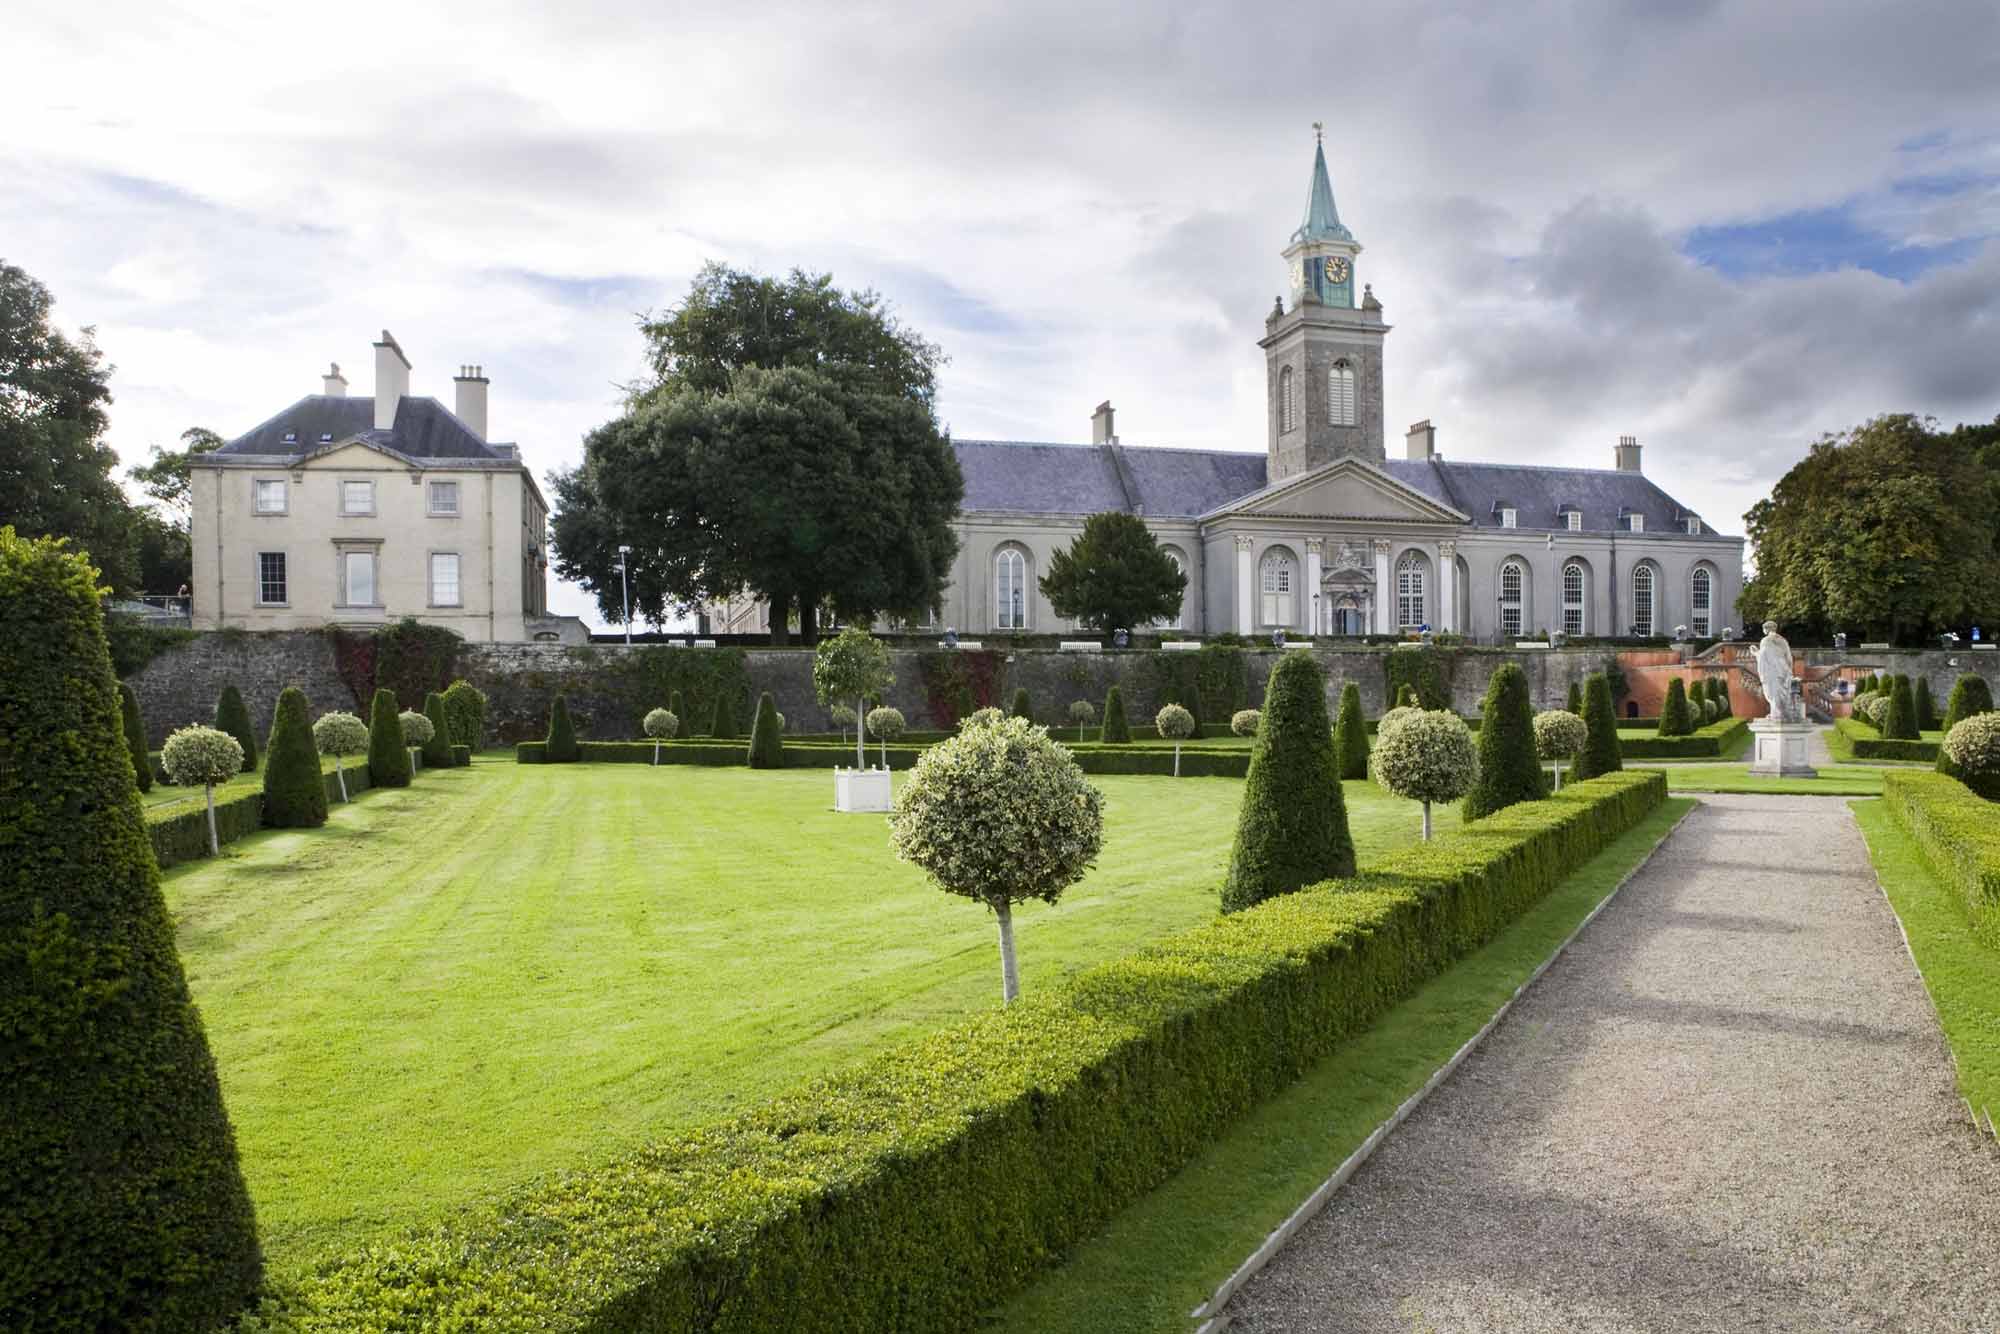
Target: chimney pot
column 333, row 384
column 1100, row 425
column 471, row 402
column 1421, row 442
column 1628, row 453
column 392, row 380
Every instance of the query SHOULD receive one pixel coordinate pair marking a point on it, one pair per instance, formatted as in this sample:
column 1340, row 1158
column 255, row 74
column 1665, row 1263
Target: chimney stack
column 471, row 382
column 392, row 380
column 1100, row 425
column 1628, row 453
column 334, row 384
column 1422, row 442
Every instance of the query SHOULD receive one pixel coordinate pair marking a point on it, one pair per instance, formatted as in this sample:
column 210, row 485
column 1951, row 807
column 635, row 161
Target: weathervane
column 1319, row 132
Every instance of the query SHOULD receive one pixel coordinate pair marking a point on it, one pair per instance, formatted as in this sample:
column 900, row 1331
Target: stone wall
column 181, row 685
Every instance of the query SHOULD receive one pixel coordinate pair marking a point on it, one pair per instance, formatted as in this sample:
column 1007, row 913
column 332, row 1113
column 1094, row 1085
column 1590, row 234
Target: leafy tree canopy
column 165, row 478
column 1115, row 574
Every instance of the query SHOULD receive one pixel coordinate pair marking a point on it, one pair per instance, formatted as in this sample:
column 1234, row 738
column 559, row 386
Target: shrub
column 1969, row 695
column 852, row 665
column 1406, row 698
column 1899, row 720
column 1600, row 751
column 1575, row 702
column 677, row 706
column 437, row 746
column 1674, row 720
column 197, row 756
column 388, row 754
column 1021, row 707
column 294, row 788
column 767, row 743
column 1974, row 747
column 1291, row 829
column 1509, row 770
column 465, row 715
column 843, row 718
column 340, row 735
column 999, row 814
column 1719, row 692
column 1559, row 735
column 232, row 717
column 1244, row 721
column 885, row 725
column 1176, row 724
column 1428, row 756
column 1082, row 712
column 1926, row 707
column 1116, row 730
column 722, row 723
column 134, row 728
column 121, row 1201
column 660, row 724
column 1872, row 707
column 1959, row 837
column 562, row 736
column 417, row 729
column 1350, row 734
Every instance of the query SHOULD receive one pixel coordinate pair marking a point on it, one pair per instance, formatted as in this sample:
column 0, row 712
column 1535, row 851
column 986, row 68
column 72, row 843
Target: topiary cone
column 135, row 736
column 233, row 717
column 1969, row 695
column 1021, row 707
column 724, row 726
column 1899, row 723
column 1575, row 703
column 294, row 789
column 1674, row 712
column 1927, row 719
column 561, row 747
column 123, row 1201
column 767, row 742
column 684, row 725
column 1292, row 828
column 388, row 756
column 1600, row 750
column 1509, row 769
column 1350, row 734
column 437, row 751
column 1116, row 729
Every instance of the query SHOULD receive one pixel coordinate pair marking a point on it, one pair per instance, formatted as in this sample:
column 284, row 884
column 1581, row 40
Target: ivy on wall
column 959, row 681
column 646, row 678
column 1213, row 683
column 1428, row 670
column 408, row 658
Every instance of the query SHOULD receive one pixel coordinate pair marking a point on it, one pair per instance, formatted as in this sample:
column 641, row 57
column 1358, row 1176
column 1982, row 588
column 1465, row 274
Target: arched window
column 1576, row 587
column 1642, row 601
column 1287, row 407
column 1180, row 611
column 1512, row 581
column 1701, row 596
column 1410, row 591
column 1340, row 394
column 1010, row 590
column 1279, row 577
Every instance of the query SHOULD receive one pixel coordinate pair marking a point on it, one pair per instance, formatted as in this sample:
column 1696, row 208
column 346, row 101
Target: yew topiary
column 1600, row 749
column 885, row 725
column 722, row 722
column 1927, row 719
column 1116, row 730
column 340, row 735
column 767, row 742
column 678, row 707
column 388, row 755
column 660, row 724
column 465, row 714
column 561, row 747
column 1021, row 707
column 122, row 1204
column 1429, row 757
column 1559, row 735
column 201, row 757
column 1350, row 734
column 1176, row 724
column 1509, row 769
column 1674, row 717
column 233, row 717
column 1873, row 709
column 1406, row 698
column 1974, row 747
column 294, row 788
column 437, row 746
column 1899, row 721
column 1244, row 722
column 1575, row 702
column 1969, row 695
column 999, row 814
column 134, row 728
column 1292, row 827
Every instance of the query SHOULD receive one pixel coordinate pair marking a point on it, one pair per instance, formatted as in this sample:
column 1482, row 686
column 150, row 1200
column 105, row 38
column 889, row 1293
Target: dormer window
column 1573, row 520
column 1635, row 522
column 1693, row 526
column 326, row 437
column 291, row 437
column 1509, row 518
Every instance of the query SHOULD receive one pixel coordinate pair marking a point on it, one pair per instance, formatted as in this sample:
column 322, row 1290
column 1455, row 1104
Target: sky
column 1723, row 228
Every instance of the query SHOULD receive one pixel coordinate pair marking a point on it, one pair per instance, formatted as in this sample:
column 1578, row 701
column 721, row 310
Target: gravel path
column 1728, row 1107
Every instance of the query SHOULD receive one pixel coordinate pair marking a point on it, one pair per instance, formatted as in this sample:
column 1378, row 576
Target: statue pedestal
column 1782, row 750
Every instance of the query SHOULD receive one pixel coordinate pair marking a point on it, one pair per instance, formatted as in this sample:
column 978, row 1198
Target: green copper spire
column 1322, row 219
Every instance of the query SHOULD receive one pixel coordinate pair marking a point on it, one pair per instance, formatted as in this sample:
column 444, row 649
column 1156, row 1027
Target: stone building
column 362, row 511
column 1322, row 533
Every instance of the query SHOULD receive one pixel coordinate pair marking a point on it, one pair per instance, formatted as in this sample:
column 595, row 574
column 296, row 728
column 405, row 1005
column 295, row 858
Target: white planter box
column 704, row 643
column 963, row 643
column 1079, row 646
column 861, row 790
column 1181, row 646
column 1530, row 644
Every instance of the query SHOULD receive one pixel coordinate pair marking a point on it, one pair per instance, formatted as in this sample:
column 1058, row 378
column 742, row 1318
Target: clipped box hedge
column 1959, row 831
column 461, row 756
column 1704, row 742
column 1854, row 739
column 917, row 1189
column 181, row 834
column 1233, row 762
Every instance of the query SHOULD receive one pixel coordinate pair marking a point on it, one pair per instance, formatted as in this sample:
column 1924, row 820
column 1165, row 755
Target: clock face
column 1336, row 270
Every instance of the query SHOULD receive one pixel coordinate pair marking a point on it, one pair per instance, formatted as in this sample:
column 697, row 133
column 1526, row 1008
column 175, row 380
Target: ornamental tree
column 1969, row 695
column 294, row 788
column 1176, row 724
column 198, row 756
column 561, row 747
column 465, row 714
column 1244, row 722
column 885, row 725
column 852, row 665
column 1974, row 747
column 340, row 735
column 1927, row 719
column 1022, row 707
column 1350, row 734
column 767, row 743
column 1559, row 736
column 660, row 724
column 1600, row 749
column 417, row 729
column 1115, row 574
column 999, row 814
column 1429, row 757
column 1873, row 707
column 1899, row 720
column 1509, row 769
column 1082, row 712
column 1291, row 829
column 388, row 756
column 437, row 746
column 1115, row 730
column 1674, row 717
column 233, row 717
column 843, row 718
column 135, row 736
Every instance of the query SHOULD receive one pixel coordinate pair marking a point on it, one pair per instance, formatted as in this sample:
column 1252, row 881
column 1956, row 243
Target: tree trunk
column 214, row 846
column 781, row 618
column 1559, row 775
column 885, row 751
column 1177, row 759
column 1010, row 976
column 861, row 737
column 808, row 619
column 341, row 774
column 1427, row 822
column 656, row 752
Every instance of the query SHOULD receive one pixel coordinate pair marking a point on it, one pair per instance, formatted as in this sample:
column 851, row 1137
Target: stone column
column 1246, row 589
column 1385, row 592
column 1447, row 590
column 1315, row 550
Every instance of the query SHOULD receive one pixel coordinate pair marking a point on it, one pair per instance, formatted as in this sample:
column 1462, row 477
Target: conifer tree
column 1021, row 707
column 1116, row 730
column 683, row 724
column 135, row 736
column 1899, row 723
column 767, row 742
column 1350, row 734
column 1575, row 703
column 1927, row 719
column 388, row 754
column 1969, row 695
column 561, row 747
column 233, row 718
column 437, row 750
column 1600, row 752
column 1510, row 770
column 723, row 728
column 1674, row 716
column 1292, row 828
column 294, row 788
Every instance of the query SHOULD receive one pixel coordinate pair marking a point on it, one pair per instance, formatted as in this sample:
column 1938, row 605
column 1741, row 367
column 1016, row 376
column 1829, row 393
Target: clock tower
column 1323, row 355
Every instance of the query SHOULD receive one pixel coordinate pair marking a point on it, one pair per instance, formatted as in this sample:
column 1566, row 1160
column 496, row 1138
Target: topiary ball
column 197, row 756
column 1244, row 721
column 1174, row 723
column 417, row 729
column 1559, row 734
column 660, row 724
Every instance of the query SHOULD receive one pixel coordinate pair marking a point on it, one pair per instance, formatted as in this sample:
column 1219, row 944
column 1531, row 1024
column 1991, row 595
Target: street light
column 625, row 591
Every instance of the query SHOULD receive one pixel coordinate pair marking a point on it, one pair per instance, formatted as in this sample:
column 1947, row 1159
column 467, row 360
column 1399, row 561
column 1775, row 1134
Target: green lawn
column 1963, row 976
column 163, row 795
column 1835, row 780
column 512, row 968
column 1166, row 1254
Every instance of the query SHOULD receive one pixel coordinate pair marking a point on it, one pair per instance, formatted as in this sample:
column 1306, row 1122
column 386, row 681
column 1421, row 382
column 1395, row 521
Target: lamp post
column 625, row 591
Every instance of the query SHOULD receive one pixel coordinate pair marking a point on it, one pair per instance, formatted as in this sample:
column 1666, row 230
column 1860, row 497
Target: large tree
column 1890, row 530
column 55, row 468
column 166, row 561
column 785, row 446
column 1115, row 574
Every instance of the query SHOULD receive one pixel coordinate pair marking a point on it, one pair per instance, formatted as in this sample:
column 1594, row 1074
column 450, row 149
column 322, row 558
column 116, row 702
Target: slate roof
column 424, row 429
column 1012, row 476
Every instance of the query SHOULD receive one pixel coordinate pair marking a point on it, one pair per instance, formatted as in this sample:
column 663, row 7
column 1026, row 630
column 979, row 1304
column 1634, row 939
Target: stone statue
column 1774, row 674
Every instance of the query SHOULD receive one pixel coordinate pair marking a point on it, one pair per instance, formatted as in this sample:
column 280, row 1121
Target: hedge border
column 1857, row 740
column 1092, row 758
column 1704, row 742
column 182, row 836
column 1959, row 832
column 918, row 1188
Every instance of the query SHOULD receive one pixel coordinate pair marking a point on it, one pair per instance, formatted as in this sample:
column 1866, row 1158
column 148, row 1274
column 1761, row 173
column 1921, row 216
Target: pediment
column 350, row 453
column 1346, row 489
